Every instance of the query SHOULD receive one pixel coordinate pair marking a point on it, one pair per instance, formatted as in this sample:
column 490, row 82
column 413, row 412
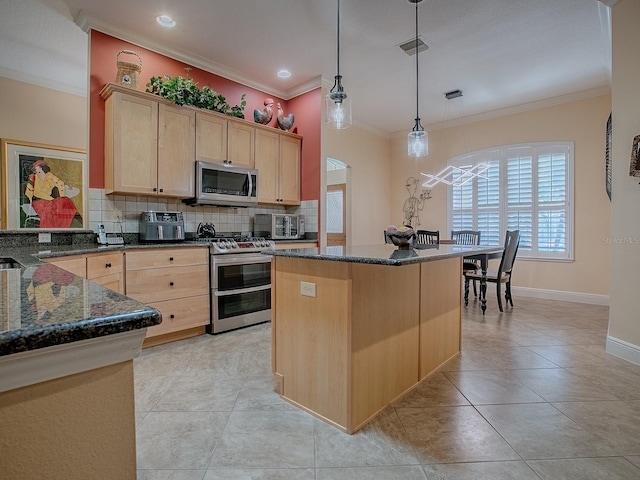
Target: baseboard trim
column 625, row 350
column 577, row 297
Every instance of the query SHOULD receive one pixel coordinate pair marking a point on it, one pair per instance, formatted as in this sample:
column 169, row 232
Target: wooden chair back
column 466, row 237
column 428, row 237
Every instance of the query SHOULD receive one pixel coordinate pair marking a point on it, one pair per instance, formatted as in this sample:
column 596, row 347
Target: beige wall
column 582, row 122
column 625, row 233
column 368, row 184
column 41, row 115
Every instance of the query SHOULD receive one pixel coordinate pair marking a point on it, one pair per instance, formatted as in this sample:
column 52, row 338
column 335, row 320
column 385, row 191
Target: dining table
column 483, row 258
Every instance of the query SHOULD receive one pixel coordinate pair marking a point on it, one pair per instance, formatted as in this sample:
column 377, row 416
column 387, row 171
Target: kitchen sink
column 7, row 263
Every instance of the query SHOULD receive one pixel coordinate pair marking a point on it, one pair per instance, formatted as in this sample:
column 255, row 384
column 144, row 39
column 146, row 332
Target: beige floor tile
column 260, row 474
column 616, row 421
column 491, row 387
column 559, row 385
column 574, row 356
column 538, row 431
column 634, row 459
column 516, row 357
column 470, row 358
column 277, row 439
column 453, row 434
column 434, row 391
column 372, row 473
column 200, row 393
column 171, row 474
column 149, row 389
column 623, row 382
column 261, row 393
column 481, row 471
column 612, row 468
column 178, row 440
column 381, row 442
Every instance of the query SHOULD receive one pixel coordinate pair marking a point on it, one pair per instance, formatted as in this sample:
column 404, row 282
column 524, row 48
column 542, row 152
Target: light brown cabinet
column 106, row 269
column 149, row 145
column 278, row 160
column 241, row 144
column 176, row 282
column 211, row 137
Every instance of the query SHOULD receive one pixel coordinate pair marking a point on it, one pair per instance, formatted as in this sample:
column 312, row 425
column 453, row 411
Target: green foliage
column 184, row 91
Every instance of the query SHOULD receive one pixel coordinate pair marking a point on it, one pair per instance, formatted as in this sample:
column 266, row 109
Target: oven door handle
column 238, row 291
column 242, row 259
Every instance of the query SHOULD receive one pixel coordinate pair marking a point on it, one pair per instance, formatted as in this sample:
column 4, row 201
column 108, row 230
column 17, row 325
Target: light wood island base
column 369, row 335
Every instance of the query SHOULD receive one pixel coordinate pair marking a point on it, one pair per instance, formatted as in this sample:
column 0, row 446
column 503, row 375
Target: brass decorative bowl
column 402, row 240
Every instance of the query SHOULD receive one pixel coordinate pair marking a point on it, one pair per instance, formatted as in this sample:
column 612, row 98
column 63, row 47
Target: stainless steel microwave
column 224, row 185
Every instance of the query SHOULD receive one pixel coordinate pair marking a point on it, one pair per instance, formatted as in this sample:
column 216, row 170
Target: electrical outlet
column 308, row 289
column 44, row 237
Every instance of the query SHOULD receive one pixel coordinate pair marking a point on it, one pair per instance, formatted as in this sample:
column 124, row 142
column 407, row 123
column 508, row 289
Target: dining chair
column 504, row 273
column 427, row 237
column 468, row 237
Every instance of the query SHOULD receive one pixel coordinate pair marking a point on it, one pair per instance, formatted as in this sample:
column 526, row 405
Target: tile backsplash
column 120, row 213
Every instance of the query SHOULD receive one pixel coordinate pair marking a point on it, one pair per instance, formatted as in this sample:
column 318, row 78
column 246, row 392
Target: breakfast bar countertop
column 42, row 305
column 383, row 254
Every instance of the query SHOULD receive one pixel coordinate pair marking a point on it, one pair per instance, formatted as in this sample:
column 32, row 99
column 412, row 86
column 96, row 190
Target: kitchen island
column 354, row 328
column 66, row 371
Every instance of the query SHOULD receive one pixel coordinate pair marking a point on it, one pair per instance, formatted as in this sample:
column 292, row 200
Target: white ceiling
column 503, row 54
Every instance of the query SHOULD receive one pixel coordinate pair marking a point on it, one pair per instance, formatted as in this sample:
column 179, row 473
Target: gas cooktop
column 221, row 244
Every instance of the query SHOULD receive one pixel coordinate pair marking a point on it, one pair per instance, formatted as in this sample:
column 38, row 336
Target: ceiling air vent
column 409, row 47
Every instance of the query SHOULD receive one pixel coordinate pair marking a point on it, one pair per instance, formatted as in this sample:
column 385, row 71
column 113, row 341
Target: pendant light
column 337, row 102
column 418, row 139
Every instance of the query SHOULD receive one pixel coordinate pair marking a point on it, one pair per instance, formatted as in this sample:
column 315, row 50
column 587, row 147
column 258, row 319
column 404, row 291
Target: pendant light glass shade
column 418, row 139
column 337, row 102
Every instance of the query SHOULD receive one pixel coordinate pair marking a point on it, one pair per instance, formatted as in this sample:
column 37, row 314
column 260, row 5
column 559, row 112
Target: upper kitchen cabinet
column 211, row 137
column 241, row 144
column 278, row 161
column 149, row 145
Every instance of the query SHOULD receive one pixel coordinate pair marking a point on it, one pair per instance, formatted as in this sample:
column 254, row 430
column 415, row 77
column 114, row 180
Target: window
column 527, row 187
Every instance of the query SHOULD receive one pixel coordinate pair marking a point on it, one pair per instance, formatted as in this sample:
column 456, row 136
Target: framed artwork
column 634, row 169
column 43, row 186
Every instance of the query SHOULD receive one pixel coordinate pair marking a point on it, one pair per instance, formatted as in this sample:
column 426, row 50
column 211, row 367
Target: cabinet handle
column 155, row 189
column 171, row 284
column 171, row 259
column 172, row 316
column 161, row 190
column 107, row 265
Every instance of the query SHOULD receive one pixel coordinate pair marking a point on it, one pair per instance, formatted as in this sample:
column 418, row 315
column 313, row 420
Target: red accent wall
column 103, row 69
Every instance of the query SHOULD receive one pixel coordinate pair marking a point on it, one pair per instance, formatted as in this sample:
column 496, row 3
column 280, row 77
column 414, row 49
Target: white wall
column 624, row 315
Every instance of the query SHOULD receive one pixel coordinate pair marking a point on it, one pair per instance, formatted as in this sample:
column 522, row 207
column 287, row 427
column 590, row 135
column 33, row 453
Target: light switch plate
column 44, row 237
column 308, row 289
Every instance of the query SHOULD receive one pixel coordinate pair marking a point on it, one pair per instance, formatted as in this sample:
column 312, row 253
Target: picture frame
column 44, row 187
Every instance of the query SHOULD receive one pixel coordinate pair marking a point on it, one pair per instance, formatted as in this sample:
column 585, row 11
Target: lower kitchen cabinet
column 176, row 282
column 106, row 269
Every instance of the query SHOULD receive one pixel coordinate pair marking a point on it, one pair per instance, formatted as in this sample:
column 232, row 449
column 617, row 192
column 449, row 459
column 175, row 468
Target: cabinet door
column 158, row 284
column 76, row 265
column 211, row 137
column 289, row 171
column 107, row 270
column 240, row 144
column 181, row 314
column 131, row 144
column 267, row 157
column 176, row 151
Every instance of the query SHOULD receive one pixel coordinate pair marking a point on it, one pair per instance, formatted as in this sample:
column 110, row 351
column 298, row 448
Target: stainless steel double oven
column 240, row 284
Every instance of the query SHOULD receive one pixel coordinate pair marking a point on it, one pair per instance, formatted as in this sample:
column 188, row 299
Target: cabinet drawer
column 76, row 265
column 156, row 284
column 167, row 257
column 106, row 264
column 181, row 314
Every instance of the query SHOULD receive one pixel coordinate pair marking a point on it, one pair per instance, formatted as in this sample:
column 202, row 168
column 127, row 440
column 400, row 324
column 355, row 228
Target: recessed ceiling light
column 166, row 21
column 284, row 73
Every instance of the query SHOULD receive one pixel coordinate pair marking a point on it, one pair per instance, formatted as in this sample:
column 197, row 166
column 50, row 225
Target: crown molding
column 89, row 22
column 73, row 89
column 524, row 107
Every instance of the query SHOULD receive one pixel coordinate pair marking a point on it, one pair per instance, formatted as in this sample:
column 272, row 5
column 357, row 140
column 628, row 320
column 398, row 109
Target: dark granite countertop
column 383, row 254
column 42, row 305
